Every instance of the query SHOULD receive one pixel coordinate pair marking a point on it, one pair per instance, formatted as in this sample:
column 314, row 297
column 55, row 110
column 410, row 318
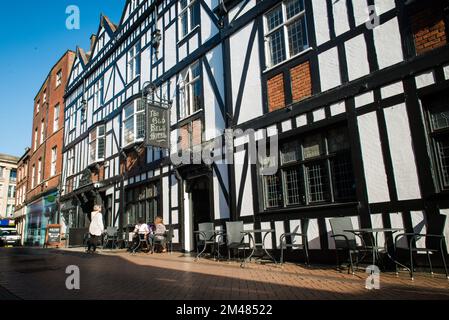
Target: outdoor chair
column 235, row 238
column 206, row 236
column 346, row 241
column 122, row 239
column 290, row 240
column 142, row 244
column 432, row 244
column 166, row 239
column 111, row 237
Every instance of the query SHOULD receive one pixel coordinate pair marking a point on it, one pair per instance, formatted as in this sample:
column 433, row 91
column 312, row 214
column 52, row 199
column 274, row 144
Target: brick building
column 45, row 159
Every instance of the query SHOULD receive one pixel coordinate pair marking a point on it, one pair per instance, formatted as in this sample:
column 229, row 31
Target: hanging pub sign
column 157, row 126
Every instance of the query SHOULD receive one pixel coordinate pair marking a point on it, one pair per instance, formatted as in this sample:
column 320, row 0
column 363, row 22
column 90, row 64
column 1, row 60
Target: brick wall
column 301, row 82
column 428, row 29
column 276, row 95
column 196, row 132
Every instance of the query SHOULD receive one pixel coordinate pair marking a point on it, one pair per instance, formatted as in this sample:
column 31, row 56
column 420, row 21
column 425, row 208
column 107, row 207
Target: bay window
column 285, row 31
column 133, row 123
column 313, row 170
column 189, row 17
column 97, row 141
column 191, row 91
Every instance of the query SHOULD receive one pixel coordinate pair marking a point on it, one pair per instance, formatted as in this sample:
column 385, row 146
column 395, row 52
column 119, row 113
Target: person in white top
column 142, row 228
column 96, row 228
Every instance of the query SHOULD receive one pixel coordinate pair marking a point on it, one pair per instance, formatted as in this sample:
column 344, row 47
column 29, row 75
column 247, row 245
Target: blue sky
column 33, row 37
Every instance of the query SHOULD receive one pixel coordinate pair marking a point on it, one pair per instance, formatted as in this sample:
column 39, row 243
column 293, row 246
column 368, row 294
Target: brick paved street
column 40, row 274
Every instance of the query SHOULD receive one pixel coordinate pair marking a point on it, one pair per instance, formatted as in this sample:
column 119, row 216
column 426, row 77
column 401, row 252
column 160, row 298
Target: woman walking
column 96, row 229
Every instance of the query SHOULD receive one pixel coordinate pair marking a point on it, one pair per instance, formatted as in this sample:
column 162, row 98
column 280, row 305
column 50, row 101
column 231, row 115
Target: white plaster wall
column 329, row 69
column 446, row 226
column 252, row 95
column 361, row 13
column 402, row 155
column 215, row 123
column 387, row 40
column 280, row 230
column 341, row 21
column 221, row 207
column 247, row 206
column 313, row 234
column 170, row 47
column 373, row 162
column 419, row 226
column 165, row 198
column 392, row 90
column 383, row 6
column 321, row 21
column 296, row 227
column 357, row 57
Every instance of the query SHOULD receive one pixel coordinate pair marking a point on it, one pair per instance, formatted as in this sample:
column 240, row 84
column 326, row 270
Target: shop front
column 40, row 213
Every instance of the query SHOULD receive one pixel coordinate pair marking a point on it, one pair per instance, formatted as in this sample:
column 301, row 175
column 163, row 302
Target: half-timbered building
column 355, row 91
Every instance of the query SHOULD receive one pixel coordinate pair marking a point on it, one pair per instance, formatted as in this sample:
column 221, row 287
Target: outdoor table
column 216, row 234
column 374, row 235
column 265, row 233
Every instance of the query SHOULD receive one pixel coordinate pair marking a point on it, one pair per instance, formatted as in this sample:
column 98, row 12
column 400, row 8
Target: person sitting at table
column 160, row 232
column 141, row 231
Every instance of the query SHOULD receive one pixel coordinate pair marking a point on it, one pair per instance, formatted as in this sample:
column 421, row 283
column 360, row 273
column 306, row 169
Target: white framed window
column 33, row 176
column 36, row 136
column 285, row 31
column 39, row 171
column 54, row 158
column 133, row 123
column 58, row 78
column 11, row 191
column 133, row 62
column 98, row 94
column 45, row 96
column 97, row 141
column 189, row 16
column 191, row 91
column 42, row 132
column 70, row 162
column 38, row 107
column 56, row 116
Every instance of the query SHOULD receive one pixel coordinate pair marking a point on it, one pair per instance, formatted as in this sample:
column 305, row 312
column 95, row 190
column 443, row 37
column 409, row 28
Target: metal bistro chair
column 294, row 237
column 346, row 241
column 206, row 235
column 143, row 242
column 235, row 238
column 433, row 244
column 111, row 237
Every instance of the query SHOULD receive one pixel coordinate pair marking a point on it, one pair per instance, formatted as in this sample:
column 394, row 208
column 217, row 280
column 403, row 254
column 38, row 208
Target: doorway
column 200, row 204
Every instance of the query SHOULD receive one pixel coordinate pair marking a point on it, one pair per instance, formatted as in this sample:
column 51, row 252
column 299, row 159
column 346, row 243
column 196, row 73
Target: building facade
column 8, row 180
column 354, row 91
column 45, row 158
column 20, row 212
